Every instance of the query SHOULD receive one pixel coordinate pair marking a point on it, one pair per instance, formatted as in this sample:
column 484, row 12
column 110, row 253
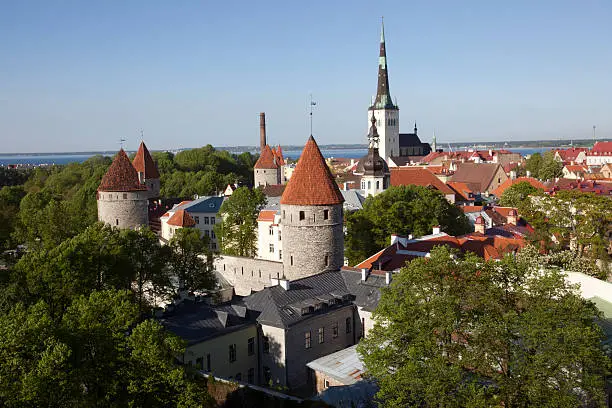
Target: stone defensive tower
column 122, row 199
column 147, row 170
column 311, row 218
column 267, row 169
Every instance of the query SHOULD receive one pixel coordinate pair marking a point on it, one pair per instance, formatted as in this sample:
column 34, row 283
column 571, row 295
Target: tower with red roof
column 311, row 216
column 122, row 198
column 147, row 170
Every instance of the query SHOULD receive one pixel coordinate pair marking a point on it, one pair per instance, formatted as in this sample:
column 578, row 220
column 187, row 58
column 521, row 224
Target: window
column 205, row 220
column 267, row 375
column 251, row 346
column 212, row 234
column 232, row 353
column 199, row 363
column 362, row 185
column 207, row 233
column 377, row 184
column 212, row 220
column 369, row 185
column 291, row 260
column 326, row 260
column 271, row 248
column 325, row 214
column 116, row 221
column 266, row 345
column 335, row 330
column 307, row 340
column 271, row 230
column 239, row 377
column 125, row 196
column 283, row 214
column 197, row 219
column 279, row 235
column 214, row 246
column 251, row 376
column 326, row 383
column 208, row 366
column 280, row 256
column 321, row 335
column 349, row 325
column 302, row 215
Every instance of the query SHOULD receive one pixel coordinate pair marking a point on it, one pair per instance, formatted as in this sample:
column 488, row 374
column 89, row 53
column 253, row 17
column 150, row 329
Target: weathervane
column 121, row 142
column 141, row 134
column 311, row 106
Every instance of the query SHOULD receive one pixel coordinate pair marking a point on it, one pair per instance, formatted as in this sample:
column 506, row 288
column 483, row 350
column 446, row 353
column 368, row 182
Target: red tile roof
column 602, row 148
column 404, row 176
column 571, row 154
column 472, row 208
column 181, row 218
column 121, row 176
column 278, row 155
column 500, row 190
column 267, row 159
column 462, row 190
column 143, row 163
column 576, row 168
column 312, row 182
column 266, row 215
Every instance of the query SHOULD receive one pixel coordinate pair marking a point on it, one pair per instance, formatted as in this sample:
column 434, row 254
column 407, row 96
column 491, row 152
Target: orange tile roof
column 267, row 159
column 278, row 155
column 403, row 176
column 181, row 218
column 266, row 215
column 472, row 208
column 121, row 176
column 500, row 190
column 312, row 182
column 602, row 148
column 143, row 163
column 462, row 190
column 575, row 168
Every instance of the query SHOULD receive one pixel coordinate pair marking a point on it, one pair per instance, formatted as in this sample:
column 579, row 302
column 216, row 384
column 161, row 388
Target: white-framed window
column 271, row 248
column 197, row 219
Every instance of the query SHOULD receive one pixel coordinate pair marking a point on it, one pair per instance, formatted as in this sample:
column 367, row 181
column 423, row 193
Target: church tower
column 311, row 218
column 383, row 109
column 122, row 199
column 374, row 171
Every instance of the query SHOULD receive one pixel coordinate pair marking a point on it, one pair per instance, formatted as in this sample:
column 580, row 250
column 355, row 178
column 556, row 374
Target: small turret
column 147, row 170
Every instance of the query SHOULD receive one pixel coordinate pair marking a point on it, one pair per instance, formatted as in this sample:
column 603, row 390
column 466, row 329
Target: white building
column 269, row 235
column 600, row 154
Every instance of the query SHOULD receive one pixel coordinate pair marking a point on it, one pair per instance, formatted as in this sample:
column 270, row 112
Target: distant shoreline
column 524, row 144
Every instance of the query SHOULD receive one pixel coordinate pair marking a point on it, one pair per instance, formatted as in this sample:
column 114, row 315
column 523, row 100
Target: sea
column 66, row 158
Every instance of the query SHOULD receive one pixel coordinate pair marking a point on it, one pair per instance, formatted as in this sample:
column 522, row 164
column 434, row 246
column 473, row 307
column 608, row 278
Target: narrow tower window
column 325, row 214
column 302, row 216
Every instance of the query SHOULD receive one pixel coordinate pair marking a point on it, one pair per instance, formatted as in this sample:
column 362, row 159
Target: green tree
column 191, row 261
column 550, row 168
column 10, row 197
column 401, row 210
column 459, row 332
column 533, row 164
column 237, row 231
column 515, row 195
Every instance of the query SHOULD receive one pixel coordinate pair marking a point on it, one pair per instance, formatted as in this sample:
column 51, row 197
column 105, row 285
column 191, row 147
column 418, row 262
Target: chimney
column 435, row 229
column 394, row 238
column 284, row 283
column 262, row 131
column 364, row 274
column 528, row 173
column 512, row 174
column 388, row 277
column 479, row 225
column 512, row 217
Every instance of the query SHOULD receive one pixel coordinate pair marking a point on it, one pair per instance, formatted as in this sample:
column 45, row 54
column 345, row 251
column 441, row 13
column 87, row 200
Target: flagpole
column 312, row 104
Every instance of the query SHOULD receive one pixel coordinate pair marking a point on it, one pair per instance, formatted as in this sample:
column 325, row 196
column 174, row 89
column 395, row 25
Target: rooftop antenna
column 311, row 105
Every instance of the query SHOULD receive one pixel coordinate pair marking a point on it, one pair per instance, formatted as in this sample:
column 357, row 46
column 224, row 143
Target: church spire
column 383, row 96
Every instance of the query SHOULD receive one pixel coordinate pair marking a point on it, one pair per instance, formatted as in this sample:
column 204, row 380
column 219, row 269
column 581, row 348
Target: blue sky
column 79, row 75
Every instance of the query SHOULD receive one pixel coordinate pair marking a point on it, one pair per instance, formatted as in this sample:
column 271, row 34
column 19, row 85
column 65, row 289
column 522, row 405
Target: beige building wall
column 247, row 274
column 217, row 350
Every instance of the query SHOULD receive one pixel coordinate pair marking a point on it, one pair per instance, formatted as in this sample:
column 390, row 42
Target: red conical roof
column 181, row 218
column 266, row 159
column 143, row 163
column 312, row 182
column 121, row 176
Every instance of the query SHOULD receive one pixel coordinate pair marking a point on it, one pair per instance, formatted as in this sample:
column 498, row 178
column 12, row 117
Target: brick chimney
column 479, row 225
column 262, row 131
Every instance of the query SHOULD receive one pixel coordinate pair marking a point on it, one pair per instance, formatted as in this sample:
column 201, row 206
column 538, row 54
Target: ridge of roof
column 312, row 182
column 143, row 162
column 121, row 175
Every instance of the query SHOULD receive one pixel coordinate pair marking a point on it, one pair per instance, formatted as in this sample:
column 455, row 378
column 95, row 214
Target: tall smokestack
column 262, row 131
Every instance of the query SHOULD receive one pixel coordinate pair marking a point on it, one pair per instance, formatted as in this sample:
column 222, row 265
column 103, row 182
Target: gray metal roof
column 366, row 293
column 344, row 366
column 197, row 322
column 353, row 200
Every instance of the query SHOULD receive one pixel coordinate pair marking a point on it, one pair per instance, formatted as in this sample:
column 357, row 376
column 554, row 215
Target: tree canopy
column 515, row 195
column 237, row 231
column 544, row 167
column 400, row 210
column 457, row 331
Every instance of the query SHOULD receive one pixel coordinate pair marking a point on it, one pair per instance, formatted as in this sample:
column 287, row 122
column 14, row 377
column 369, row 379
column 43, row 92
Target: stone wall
column 123, row 210
column 267, row 176
column 247, row 274
column 312, row 244
column 154, row 186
